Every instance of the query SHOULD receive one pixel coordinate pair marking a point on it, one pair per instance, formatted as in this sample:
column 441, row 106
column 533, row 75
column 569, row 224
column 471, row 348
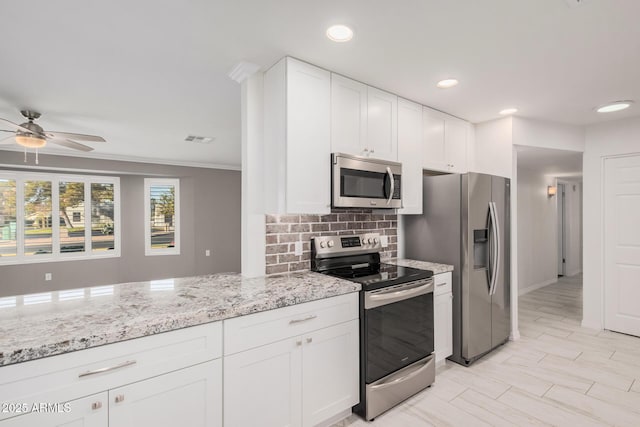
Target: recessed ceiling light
column 447, row 83
column 614, row 106
column 508, row 111
column 339, row 33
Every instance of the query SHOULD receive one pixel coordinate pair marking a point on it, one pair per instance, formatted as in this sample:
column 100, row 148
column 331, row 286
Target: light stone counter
column 47, row 324
column 422, row 265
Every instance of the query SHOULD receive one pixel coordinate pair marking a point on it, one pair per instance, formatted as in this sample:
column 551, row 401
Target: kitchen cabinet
column 410, row 154
column 190, row 396
column 382, row 124
column 348, row 116
column 364, row 120
column 443, row 316
column 124, row 384
column 297, row 138
column 445, row 142
column 90, row 411
column 298, row 366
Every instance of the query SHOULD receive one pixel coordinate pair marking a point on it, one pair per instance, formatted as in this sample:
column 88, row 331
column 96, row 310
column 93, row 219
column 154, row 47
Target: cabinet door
column 186, row 397
column 382, row 124
column 330, row 372
column 262, row 386
column 443, row 325
column 90, row 411
column 348, row 115
column 410, row 154
column 308, row 151
column 433, row 140
column 455, row 135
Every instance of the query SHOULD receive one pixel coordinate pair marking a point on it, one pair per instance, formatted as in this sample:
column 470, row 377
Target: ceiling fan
column 31, row 135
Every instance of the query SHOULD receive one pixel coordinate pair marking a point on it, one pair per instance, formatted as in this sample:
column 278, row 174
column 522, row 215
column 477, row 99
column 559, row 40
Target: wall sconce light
column 551, row 190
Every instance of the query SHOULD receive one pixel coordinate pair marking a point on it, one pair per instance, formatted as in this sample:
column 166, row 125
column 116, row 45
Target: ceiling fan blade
column 71, row 144
column 14, row 126
column 75, row 136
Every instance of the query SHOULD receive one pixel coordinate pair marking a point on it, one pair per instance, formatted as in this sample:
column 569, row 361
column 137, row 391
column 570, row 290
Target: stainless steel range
column 396, row 319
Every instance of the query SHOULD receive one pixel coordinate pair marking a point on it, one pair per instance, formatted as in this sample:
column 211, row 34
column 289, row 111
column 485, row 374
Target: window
column 162, row 216
column 43, row 217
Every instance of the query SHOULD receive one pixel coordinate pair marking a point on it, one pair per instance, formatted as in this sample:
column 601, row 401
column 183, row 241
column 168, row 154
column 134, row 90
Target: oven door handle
column 379, row 298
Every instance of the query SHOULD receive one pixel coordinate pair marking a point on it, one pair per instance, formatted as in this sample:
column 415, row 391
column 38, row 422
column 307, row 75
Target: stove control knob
column 364, row 241
column 375, row 240
column 371, row 240
column 330, row 243
column 322, row 245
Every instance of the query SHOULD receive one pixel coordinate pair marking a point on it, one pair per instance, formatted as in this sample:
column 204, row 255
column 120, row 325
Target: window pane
column 72, row 224
column 37, row 217
column 8, row 243
column 162, row 221
column 102, row 217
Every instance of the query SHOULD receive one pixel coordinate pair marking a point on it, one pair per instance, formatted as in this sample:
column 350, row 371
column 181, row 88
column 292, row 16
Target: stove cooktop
column 377, row 276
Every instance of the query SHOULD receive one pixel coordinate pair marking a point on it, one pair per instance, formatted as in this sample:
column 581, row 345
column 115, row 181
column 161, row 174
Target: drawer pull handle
column 309, row 340
column 119, row 398
column 441, row 284
column 294, row 321
column 107, row 369
column 96, row 405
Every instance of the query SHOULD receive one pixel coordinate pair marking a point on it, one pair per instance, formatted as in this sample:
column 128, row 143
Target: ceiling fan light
column 31, row 141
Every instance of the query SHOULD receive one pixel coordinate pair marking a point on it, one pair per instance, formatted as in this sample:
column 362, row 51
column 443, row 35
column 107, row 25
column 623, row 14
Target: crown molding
column 243, row 70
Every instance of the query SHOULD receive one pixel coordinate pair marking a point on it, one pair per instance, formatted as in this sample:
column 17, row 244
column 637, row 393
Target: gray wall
column 210, row 219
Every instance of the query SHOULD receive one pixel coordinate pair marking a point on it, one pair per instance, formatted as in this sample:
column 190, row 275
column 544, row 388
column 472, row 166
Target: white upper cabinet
column 382, row 124
column 297, row 138
column 348, row 115
column 445, row 142
column 364, row 120
column 410, row 154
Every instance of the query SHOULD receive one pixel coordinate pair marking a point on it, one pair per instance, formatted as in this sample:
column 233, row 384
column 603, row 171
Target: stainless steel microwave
column 361, row 182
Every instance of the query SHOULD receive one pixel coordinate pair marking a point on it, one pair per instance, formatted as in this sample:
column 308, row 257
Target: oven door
column 365, row 183
column 398, row 327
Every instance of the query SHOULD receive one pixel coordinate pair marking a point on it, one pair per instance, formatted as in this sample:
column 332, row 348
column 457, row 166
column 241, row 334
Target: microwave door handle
column 393, row 185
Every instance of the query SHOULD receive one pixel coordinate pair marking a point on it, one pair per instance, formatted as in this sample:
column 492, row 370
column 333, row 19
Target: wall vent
column 199, row 139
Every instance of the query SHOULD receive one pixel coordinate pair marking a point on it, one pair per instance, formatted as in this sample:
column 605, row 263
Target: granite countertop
column 47, row 324
column 422, row 265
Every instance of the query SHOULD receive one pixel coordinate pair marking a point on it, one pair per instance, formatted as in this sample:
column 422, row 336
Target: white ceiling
column 558, row 163
column 144, row 74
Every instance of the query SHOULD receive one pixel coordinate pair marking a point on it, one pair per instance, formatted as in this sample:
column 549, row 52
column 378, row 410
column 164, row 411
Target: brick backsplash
column 282, row 231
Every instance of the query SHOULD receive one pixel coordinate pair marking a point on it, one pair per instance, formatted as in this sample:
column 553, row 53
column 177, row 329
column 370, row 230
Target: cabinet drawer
column 80, row 373
column 242, row 333
column 442, row 283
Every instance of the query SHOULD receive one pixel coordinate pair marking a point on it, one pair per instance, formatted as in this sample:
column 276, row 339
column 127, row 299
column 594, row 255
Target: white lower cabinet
column 443, row 316
column 90, row 411
column 187, row 397
column 305, row 377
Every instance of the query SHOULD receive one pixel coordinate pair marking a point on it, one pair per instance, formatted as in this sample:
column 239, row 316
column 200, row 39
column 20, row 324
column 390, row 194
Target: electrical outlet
column 297, row 250
column 384, row 241
column 47, row 276
column 207, row 252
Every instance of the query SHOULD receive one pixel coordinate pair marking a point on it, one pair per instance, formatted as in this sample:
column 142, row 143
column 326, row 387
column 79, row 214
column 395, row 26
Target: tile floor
column 558, row 374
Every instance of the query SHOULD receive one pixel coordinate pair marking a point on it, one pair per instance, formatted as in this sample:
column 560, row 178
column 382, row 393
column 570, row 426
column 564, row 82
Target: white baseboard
column 523, row 291
column 591, row 324
column 335, row 419
column 574, row 272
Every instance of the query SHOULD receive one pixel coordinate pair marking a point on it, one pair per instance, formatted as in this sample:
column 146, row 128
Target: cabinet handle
column 441, row 284
column 372, row 151
column 309, row 340
column 107, row 369
column 299, row 342
column 119, row 398
column 96, row 405
column 294, row 321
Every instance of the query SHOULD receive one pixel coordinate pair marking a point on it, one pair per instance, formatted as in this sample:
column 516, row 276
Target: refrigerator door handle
column 495, row 230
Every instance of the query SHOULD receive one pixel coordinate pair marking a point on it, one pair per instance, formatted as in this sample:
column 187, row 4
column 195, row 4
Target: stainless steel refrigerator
column 465, row 222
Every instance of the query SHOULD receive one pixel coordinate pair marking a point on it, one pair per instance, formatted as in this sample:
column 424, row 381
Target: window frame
column 148, row 250
column 56, row 255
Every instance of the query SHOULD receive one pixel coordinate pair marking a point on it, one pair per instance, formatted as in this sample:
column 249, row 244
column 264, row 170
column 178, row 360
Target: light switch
column 297, row 250
column 384, row 241
column 47, row 276
column 207, row 252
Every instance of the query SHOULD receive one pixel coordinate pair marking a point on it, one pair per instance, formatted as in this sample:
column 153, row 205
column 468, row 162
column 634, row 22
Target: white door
column 433, row 139
column 622, row 244
column 187, row 397
column 455, row 145
column 410, row 154
column 382, row 124
column 90, row 411
column 262, row 386
column 348, row 115
column 330, row 372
